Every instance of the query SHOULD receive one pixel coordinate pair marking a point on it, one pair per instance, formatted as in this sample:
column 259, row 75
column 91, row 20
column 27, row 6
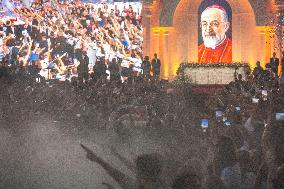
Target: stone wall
column 263, row 10
column 171, row 31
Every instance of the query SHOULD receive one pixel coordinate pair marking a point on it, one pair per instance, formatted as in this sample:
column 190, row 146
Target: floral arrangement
column 185, row 65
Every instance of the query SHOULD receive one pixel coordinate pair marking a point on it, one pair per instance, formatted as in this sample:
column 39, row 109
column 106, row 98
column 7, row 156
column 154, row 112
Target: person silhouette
column 148, row 169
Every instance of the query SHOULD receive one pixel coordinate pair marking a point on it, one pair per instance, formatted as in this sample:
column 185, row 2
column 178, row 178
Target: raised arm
column 108, row 185
column 61, row 64
column 58, row 69
column 29, row 53
column 124, row 160
column 49, row 50
column 124, row 181
column 41, row 50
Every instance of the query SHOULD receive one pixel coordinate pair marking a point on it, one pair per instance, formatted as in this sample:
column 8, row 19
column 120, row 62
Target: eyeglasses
column 212, row 24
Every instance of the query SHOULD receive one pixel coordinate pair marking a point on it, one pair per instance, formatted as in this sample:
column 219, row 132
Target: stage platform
column 212, row 74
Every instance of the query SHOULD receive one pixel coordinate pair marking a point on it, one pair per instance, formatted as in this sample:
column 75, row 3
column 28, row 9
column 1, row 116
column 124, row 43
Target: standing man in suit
column 146, row 67
column 274, row 63
column 156, row 65
column 83, row 67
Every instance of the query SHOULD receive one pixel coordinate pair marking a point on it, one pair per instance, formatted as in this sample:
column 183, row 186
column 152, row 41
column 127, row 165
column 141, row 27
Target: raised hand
column 123, row 180
column 108, row 185
column 31, row 42
column 90, row 154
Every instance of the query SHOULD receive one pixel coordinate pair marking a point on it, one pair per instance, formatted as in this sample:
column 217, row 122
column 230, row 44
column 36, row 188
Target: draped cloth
column 221, row 54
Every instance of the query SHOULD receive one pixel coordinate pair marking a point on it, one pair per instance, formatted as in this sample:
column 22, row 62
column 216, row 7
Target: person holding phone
column 45, row 71
column 204, row 124
column 24, row 56
column 35, row 52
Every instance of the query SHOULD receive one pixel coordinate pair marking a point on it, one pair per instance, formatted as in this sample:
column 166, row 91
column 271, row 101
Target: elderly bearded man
column 217, row 47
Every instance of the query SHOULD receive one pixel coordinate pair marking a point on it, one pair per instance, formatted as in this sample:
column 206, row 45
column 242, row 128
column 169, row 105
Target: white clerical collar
column 221, row 42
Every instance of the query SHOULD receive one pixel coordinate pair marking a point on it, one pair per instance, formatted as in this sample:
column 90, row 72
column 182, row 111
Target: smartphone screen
column 24, row 32
column 264, row 94
column 255, row 100
column 108, row 72
column 279, row 116
column 238, row 109
column 204, row 123
column 227, row 123
column 218, row 114
column 51, row 65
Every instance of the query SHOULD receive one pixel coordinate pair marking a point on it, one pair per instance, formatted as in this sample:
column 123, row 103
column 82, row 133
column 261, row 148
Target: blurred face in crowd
column 85, row 13
column 214, row 25
column 26, row 21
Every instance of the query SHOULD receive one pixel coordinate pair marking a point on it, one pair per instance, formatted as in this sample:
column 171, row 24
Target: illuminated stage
column 173, row 30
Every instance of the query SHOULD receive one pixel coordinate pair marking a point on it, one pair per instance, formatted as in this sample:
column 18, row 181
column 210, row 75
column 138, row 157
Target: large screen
column 215, row 32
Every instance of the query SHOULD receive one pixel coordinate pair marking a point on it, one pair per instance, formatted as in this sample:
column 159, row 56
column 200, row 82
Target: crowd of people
column 241, row 128
column 73, row 39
